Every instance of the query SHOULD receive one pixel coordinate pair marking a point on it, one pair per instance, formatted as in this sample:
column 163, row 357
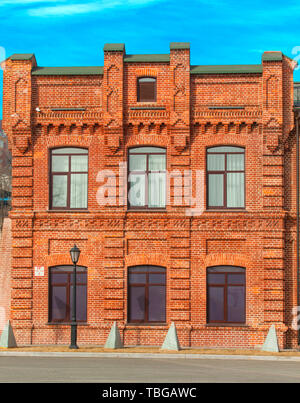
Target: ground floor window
column 60, row 293
column 147, row 294
column 226, row 294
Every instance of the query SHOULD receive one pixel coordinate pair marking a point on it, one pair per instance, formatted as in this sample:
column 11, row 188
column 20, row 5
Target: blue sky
column 73, row 32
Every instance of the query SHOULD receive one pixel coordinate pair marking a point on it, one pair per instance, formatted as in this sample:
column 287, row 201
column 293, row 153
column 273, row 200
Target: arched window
column 146, row 89
column 147, row 177
column 147, row 294
column 225, row 177
column 68, row 178
column 60, row 293
column 226, row 294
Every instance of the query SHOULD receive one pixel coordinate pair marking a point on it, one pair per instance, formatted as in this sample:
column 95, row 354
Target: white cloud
column 84, row 8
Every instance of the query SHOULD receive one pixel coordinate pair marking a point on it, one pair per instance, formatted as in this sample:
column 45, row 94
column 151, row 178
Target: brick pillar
column 17, row 112
column 273, row 185
column 180, row 132
column 113, row 85
column 180, row 94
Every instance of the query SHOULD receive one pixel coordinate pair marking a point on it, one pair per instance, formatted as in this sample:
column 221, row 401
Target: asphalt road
column 99, row 370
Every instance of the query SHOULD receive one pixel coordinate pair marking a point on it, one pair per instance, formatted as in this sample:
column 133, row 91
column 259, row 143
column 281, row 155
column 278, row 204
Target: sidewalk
column 151, row 353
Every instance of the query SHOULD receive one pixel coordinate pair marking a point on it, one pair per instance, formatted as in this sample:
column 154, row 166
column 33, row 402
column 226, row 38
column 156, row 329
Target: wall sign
column 39, row 271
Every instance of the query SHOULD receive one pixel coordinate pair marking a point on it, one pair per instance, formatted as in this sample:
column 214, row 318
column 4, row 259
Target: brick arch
column 226, row 259
column 62, row 259
column 64, row 141
column 153, row 259
column 161, row 140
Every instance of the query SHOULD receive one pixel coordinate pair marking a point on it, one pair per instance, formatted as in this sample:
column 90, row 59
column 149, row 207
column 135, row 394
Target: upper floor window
column 60, row 293
column 146, row 89
column 147, row 177
column 226, row 294
column 226, row 177
column 68, row 178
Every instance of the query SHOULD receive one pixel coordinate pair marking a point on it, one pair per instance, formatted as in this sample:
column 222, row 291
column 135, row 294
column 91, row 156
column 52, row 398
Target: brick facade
column 196, row 107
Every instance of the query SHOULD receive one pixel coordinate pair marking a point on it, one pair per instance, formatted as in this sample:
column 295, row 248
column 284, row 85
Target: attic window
column 146, row 89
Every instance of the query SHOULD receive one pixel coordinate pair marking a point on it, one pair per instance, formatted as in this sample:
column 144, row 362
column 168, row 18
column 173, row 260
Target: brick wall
column 5, row 274
column 261, row 238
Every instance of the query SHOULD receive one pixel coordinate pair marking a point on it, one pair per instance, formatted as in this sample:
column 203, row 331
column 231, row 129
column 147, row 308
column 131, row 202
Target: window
column 60, row 294
column 147, row 294
column 69, row 178
column 226, row 177
column 226, row 297
column 146, row 89
column 147, row 177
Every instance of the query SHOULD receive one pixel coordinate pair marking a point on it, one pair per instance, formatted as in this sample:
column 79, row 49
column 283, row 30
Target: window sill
column 226, row 325
column 226, row 210
column 68, row 211
column 146, row 324
column 67, row 323
column 157, row 210
column 150, row 107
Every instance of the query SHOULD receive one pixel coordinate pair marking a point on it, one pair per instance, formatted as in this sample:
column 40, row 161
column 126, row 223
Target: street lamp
column 75, row 253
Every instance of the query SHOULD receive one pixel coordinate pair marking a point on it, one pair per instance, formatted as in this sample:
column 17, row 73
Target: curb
column 147, row 355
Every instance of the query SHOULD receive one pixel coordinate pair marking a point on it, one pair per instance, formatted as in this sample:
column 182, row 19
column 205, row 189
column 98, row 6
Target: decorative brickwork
column 193, row 110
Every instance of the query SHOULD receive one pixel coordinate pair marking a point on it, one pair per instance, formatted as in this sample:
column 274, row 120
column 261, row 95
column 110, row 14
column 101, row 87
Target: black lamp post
column 75, row 253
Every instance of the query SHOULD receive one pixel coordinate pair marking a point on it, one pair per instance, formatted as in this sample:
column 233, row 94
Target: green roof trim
column 179, row 45
column 159, row 58
column 21, row 56
column 67, row 71
column 228, row 69
column 272, row 56
column 114, row 47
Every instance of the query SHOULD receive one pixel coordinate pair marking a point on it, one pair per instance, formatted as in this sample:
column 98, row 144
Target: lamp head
column 75, row 253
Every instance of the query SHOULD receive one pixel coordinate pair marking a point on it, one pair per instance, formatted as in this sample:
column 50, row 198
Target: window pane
column 235, row 190
column 157, row 190
column 157, row 162
column 58, row 303
column 216, row 303
column 146, row 90
column 80, row 277
column 236, row 279
column 235, row 162
column 59, row 278
column 79, row 163
column 216, row 278
column 236, row 304
column 137, row 303
column 137, row 162
column 157, row 278
column 70, row 150
column 136, row 278
column 157, row 303
column 147, row 80
column 146, row 269
column 138, row 150
column 60, row 163
column 216, row 162
column 81, row 298
column 59, row 190
column 136, row 194
column 78, row 191
column 225, row 149
column 215, row 190
column 224, row 269
column 68, row 269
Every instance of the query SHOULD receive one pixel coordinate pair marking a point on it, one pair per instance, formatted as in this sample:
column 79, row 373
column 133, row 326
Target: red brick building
column 178, row 184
